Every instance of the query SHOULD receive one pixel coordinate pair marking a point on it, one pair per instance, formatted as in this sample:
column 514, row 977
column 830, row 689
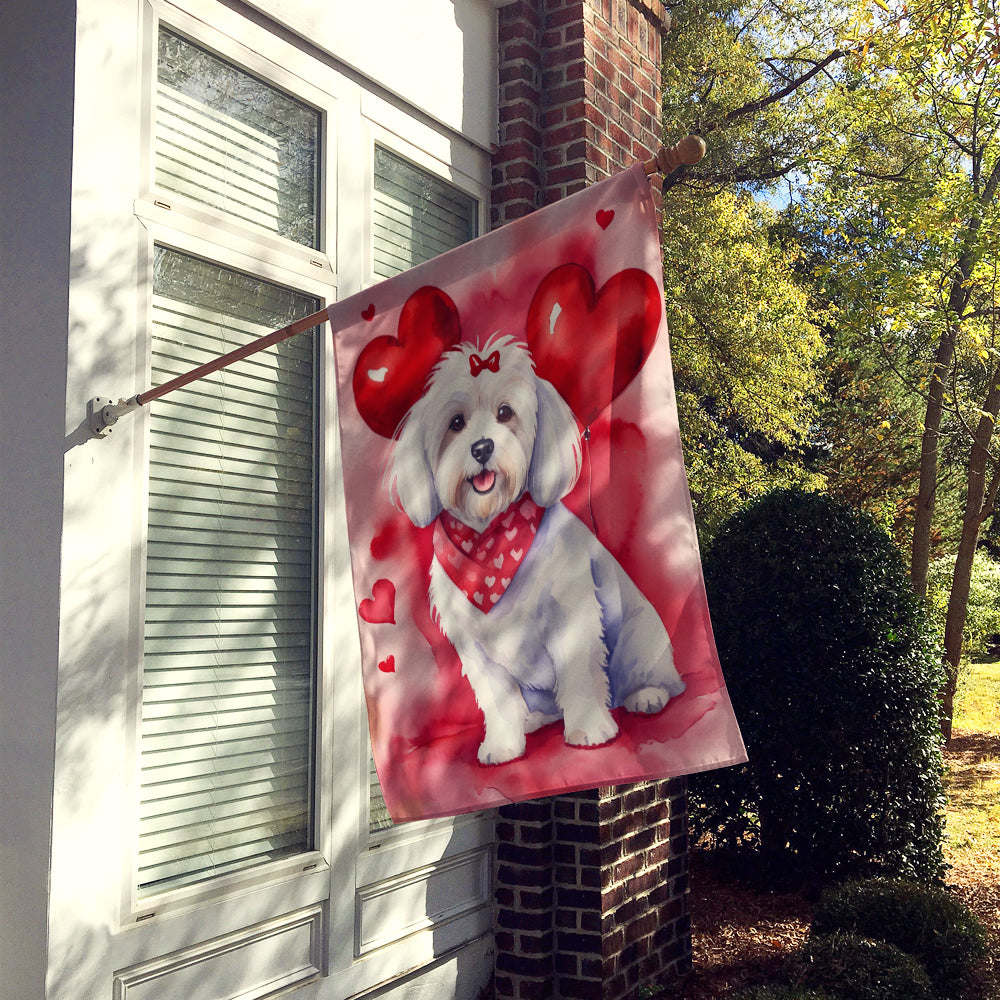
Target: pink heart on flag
column 591, row 343
column 390, row 372
column 605, row 216
column 380, row 608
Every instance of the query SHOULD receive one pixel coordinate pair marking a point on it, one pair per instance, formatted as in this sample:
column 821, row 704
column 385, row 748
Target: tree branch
column 899, row 176
column 754, row 106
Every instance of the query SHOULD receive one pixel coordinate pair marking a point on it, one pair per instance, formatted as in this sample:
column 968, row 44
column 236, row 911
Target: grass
column 973, row 782
column 973, row 810
column 978, row 698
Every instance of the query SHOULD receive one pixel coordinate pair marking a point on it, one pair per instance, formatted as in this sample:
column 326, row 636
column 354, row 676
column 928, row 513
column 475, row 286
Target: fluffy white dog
column 546, row 623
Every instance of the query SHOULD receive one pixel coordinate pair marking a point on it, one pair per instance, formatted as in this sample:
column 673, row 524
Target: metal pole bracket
column 103, row 413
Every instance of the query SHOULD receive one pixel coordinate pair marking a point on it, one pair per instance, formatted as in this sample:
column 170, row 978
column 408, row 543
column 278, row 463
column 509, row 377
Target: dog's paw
column 647, row 700
column 591, row 732
column 499, row 751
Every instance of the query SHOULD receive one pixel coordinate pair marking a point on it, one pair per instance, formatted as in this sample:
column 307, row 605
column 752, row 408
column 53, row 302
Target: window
column 229, row 646
column 416, row 215
column 274, row 183
column 228, row 678
column 227, row 140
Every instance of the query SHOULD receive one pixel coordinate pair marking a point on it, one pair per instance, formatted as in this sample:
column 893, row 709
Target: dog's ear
column 557, row 458
column 409, row 476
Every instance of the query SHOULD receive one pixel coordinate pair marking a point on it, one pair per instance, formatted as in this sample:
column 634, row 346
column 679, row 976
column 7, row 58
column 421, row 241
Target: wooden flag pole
column 103, row 413
column 687, row 152
column 260, row 344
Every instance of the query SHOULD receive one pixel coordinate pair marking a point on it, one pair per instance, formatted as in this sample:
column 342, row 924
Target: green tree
column 880, row 122
column 747, row 77
column 870, row 416
column 982, row 620
column 747, row 352
column 747, row 358
column 910, row 181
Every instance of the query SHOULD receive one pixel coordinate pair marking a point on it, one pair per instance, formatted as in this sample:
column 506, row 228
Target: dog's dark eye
column 505, row 413
column 457, row 423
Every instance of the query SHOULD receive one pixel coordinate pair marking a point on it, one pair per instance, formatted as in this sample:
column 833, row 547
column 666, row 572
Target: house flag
column 528, row 587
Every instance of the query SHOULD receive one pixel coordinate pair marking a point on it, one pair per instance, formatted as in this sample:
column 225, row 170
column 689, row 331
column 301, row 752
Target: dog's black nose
column 482, row 450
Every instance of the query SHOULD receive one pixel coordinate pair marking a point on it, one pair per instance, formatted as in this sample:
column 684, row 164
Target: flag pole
column 687, row 152
column 103, row 413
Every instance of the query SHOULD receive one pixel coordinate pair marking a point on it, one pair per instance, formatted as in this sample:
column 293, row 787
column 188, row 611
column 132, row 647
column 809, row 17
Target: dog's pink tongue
column 484, row 481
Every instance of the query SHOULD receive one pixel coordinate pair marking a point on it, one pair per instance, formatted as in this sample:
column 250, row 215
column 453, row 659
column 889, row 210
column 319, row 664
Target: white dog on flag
column 545, row 621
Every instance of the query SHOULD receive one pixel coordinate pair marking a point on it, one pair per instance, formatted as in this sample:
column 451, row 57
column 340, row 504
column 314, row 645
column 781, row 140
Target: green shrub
column 982, row 618
column 925, row 922
column 833, row 673
column 856, row 968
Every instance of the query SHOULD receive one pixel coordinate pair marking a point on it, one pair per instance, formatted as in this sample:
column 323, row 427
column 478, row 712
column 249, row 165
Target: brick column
column 517, row 160
column 591, row 888
column 621, row 882
column 524, row 897
column 579, row 96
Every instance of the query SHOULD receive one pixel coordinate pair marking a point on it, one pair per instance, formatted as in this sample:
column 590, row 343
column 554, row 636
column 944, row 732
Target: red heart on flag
column 390, row 372
column 380, row 608
column 605, row 216
column 388, row 665
column 368, row 313
column 590, row 344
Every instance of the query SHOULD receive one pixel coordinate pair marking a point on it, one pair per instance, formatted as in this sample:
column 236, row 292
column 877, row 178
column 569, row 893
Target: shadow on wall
column 95, row 702
column 469, row 19
column 452, row 903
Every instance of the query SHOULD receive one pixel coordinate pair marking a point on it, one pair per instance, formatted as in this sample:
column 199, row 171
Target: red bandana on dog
column 482, row 564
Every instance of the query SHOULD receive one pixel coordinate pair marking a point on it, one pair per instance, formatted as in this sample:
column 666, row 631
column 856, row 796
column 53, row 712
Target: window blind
column 416, row 216
column 228, row 655
column 228, row 140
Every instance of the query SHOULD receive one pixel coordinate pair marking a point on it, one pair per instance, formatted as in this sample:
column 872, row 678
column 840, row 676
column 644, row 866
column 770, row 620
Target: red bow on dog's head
column 477, row 364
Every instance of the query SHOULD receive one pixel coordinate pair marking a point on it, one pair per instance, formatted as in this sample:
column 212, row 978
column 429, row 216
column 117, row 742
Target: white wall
column 36, row 108
column 416, row 49
column 71, row 295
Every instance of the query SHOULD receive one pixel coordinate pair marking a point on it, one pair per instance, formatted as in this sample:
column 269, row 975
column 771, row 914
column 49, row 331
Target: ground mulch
column 742, row 934
column 975, row 876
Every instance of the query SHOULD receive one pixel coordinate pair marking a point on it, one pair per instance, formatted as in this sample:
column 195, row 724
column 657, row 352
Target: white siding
column 75, row 326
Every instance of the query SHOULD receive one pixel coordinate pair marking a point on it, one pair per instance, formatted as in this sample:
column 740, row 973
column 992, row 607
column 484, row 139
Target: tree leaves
column 875, row 127
column 746, row 351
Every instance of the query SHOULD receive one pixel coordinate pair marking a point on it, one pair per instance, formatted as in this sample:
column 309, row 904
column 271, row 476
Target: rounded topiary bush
column 833, row 673
column 856, row 968
column 927, row 922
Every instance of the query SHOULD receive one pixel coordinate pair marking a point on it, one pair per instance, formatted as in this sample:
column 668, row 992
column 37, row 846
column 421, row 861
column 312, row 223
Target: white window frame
column 350, row 874
column 136, row 909
column 180, row 224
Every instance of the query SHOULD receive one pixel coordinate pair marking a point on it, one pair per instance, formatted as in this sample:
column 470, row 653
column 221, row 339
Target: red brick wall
column 591, row 888
column 579, row 96
column 524, row 902
column 591, row 893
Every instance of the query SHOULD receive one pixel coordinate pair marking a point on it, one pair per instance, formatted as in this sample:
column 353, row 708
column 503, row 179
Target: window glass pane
column 416, row 217
column 228, row 140
column 228, row 680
